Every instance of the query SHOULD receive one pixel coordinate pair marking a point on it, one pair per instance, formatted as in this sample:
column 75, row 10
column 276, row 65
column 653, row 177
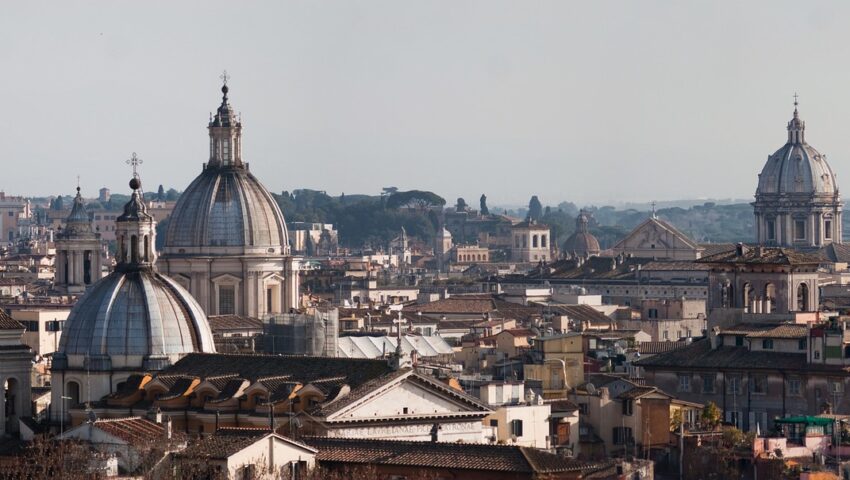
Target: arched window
column 87, row 267
column 543, row 241
column 534, row 241
column 122, row 249
column 803, row 297
column 147, row 249
column 747, row 297
column 134, row 249
column 72, row 391
column 770, row 296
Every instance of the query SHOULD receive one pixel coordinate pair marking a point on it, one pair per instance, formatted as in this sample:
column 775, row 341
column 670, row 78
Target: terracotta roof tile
column 459, row 456
column 133, row 430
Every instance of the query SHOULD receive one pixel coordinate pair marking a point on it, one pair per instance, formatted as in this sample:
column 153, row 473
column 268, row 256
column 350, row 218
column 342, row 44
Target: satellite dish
column 591, row 388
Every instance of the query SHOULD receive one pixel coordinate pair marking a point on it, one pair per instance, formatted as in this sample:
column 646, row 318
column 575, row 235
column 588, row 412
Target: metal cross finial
column 795, row 98
column 653, row 208
column 135, row 161
column 224, row 77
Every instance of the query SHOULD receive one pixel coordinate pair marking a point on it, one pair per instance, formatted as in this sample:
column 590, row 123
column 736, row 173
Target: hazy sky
column 582, row 101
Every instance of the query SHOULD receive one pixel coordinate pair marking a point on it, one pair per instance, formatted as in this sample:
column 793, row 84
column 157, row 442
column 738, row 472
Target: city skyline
column 698, row 94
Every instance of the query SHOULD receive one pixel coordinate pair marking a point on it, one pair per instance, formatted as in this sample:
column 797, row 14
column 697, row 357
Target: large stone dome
column 226, row 206
column 226, row 210
column 139, row 318
column 797, row 202
column 797, row 167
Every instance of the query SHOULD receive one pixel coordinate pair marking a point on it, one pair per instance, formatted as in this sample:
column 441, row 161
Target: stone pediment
column 409, row 395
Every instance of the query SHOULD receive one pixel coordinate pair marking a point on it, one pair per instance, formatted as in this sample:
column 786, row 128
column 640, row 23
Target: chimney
column 741, row 249
column 712, row 337
column 155, row 415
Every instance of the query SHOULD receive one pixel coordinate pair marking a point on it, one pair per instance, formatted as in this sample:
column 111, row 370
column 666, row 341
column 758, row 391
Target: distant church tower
column 78, row 262
column 797, row 199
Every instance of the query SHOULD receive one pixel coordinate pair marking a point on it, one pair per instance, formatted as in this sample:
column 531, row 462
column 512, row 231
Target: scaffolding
column 311, row 334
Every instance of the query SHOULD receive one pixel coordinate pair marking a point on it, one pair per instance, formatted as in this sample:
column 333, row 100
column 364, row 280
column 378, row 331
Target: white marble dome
column 797, row 167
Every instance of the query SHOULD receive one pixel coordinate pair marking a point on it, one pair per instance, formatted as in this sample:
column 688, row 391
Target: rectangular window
column 739, row 341
column 628, row 406
column 794, row 386
column 801, row 344
column 494, row 423
column 666, row 335
column 226, row 300
column 827, row 229
column 759, row 384
column 771, row 230
column 836, row 386
column 516, row 428
column 733, row 385
column 708, row 380
column 622, row 435
column 767, row 344
column 225, row 150
column 653, row 313
column 268, row 300
column 799, row 229
column 684, row 382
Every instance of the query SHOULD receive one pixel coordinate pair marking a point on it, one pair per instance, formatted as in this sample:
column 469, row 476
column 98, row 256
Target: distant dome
column 797, row 167
column 582, row 242
column 226, row 207
column 137, row 313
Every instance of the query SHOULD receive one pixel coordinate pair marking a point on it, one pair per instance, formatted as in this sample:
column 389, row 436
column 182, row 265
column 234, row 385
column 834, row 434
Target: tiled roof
column 478, row 304
column 220, row 323
column 582, row 313
column 699, row 355
column 638, row 392
column 224, row 443
column 133, row 430
column 835, row 252
column 519, row 332
column 297, row 368
column 8, row 323
column 655, row 347
column 455, row 456
column 662, row 266
column 756, row 330
column 763, row 256
column 715, row 248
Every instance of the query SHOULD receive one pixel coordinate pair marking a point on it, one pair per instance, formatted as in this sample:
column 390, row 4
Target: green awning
column 807, row 420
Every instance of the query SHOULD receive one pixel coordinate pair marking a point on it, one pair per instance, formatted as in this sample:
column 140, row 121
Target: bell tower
column 78, row 260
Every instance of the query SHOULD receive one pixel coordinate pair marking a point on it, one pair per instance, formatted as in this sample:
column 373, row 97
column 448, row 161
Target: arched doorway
column 803, row 297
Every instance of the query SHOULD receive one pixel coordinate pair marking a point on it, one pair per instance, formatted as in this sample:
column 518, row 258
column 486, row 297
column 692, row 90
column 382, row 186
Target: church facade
column 797, row 202
column 227, row 241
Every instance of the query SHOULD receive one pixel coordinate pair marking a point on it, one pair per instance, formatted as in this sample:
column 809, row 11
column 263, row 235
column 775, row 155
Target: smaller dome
column 78, row 224
column 137, row 313
column 582, row 242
